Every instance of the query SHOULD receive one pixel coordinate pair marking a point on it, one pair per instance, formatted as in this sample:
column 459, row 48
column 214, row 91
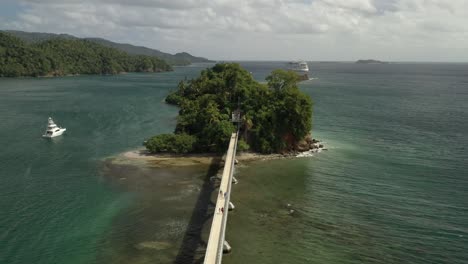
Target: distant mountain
column 35, row 37
column 182, row 58
column 371, row 62
column 177, row 59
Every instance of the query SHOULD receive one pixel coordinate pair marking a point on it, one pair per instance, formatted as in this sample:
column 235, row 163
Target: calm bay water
column 392, row 188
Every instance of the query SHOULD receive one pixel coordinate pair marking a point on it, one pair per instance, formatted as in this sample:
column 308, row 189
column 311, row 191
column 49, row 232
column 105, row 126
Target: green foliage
column 176, row 98
column 242, row 145
column 275, row 116
column 57, row 57
column 172, row 143
column 281, row 80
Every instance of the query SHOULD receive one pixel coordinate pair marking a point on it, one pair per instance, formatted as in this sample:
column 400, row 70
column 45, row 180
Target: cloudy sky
column 344, row 30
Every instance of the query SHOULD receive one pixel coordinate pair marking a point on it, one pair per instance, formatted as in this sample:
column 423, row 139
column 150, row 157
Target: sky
column 314, row 30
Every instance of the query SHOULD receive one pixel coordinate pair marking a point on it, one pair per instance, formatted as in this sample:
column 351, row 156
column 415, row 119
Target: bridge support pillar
column 226, row 247
column 231, row 206
column 234, row 180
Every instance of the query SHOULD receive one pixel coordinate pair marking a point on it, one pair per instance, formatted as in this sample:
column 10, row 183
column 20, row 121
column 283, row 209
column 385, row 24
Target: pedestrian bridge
column 216, row 241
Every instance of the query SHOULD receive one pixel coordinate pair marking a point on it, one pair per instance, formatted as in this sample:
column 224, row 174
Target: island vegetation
column 276, row 116
column 60, row 57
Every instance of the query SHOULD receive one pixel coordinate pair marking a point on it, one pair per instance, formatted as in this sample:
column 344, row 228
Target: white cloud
column 361, row 5
column 265, row 29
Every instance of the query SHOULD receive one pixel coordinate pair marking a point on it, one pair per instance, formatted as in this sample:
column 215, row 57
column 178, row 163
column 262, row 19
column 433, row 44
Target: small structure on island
column 236, row 116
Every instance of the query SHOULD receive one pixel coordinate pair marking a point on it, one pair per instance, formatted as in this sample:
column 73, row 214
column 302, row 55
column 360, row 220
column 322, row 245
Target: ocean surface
column 392, row 187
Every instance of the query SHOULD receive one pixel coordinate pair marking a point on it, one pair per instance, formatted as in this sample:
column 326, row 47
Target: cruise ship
column 299, row 66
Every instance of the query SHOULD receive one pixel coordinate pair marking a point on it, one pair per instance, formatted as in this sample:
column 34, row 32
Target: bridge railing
column 226, row 202
column 214, row 250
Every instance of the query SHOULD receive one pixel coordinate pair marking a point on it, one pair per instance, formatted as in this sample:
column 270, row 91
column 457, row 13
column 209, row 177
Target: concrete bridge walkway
column 216, row 241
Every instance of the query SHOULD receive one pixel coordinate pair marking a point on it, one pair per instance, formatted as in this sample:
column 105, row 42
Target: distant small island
column 371, row 62
column 276, row 116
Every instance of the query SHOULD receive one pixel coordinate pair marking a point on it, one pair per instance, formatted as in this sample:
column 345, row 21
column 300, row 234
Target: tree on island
column 275, row 116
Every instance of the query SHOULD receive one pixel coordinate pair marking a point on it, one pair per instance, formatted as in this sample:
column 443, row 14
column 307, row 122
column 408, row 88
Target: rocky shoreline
column 141, row 156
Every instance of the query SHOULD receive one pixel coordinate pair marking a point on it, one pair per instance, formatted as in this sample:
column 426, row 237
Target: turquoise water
column 55, row 206
column 392, row 188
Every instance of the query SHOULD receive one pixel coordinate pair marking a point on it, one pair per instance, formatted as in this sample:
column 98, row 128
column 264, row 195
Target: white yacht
column 53, row 130
column 300, row 66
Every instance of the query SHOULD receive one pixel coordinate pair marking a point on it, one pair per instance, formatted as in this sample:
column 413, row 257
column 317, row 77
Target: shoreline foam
column 142, row 156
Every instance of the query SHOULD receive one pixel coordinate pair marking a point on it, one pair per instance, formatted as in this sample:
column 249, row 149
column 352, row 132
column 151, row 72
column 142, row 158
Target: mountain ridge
column 178, row 59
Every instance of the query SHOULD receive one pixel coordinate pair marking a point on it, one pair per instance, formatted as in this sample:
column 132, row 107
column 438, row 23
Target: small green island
column 276, row 117
column 62, row 57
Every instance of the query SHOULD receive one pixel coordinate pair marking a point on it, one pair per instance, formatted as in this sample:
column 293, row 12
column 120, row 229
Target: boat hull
column 55, row 134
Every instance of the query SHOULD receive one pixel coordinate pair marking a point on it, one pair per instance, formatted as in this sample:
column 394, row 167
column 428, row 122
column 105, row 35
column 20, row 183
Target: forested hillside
column 179, row 59
column 182, row 58
column 59, row 57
